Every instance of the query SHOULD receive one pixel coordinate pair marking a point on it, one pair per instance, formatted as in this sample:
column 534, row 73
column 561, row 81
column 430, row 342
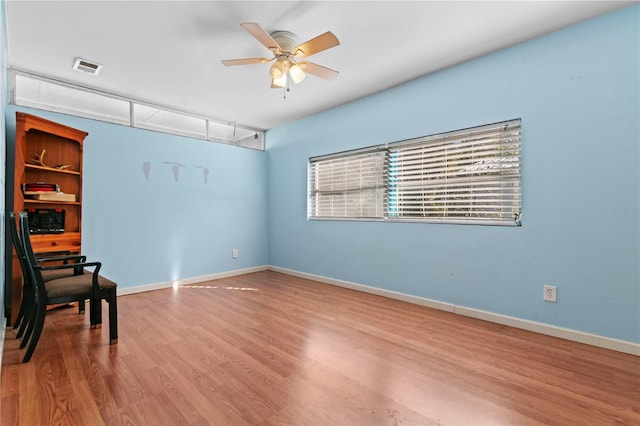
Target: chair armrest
column 77, row 257
column 45, row 254
column 98, row 265
column 78, row 270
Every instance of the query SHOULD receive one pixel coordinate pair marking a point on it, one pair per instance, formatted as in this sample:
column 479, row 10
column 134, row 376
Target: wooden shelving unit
column 63, row 148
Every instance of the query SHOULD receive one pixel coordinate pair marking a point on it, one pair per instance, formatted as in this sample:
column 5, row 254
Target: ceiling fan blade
column 317, row 44
column 261, row 35
column 318, row 70
column 245, row 61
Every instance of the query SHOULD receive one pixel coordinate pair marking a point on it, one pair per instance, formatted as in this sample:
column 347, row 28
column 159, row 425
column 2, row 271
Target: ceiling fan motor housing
column 285, row 62
column 286, row 39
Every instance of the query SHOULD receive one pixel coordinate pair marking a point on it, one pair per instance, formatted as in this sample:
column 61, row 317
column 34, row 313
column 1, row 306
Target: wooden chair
column 25, row 312
column 78, row 286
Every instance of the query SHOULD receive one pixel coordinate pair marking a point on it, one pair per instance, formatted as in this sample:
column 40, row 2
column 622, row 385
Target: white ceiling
column 168, row 52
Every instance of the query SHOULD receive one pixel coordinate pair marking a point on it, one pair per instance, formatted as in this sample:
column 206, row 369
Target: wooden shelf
column 68, row 203
column 51, row 169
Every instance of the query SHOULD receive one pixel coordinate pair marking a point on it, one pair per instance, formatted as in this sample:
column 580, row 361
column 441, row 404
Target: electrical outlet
column 550, row 293
column 234, row 253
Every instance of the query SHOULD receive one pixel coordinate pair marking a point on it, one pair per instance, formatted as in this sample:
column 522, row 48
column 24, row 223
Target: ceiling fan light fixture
column 278, row 69
column 297, row 74
column 280, row 82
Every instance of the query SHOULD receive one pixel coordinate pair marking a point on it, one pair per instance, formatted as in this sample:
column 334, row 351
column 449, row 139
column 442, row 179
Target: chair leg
column 81, row 309
column 20, row 315
column 113, row 317
column 39, row 322
column 28, row 317
column 25, row 306
column 95, row 314
column 27, row 327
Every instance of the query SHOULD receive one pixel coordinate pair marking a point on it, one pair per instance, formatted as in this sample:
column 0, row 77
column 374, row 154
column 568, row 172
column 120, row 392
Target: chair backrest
column 32, row 263
column 15, row 238
column 28, row 273
column 17, row 241
column 30, row 256
column 26, row 240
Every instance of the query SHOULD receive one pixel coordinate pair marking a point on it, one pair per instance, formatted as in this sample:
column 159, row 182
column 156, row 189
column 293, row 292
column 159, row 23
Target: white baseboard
column 186, row 281
column 538, row 327
column 443, row 306
column 552, row 330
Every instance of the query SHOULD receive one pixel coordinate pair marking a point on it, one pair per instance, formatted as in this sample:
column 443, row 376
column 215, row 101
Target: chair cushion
column 54, row 274
column 75, row 285
column 105, row 283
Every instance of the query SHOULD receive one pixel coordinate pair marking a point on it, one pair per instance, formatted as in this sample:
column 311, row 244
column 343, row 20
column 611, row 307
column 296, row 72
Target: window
column 152, row 118
column 233, row 135
column 348, row 186
column 467, row 176
column 40, row 94
column 43, row 93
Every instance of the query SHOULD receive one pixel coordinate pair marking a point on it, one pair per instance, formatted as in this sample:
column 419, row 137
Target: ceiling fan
column 286, row 50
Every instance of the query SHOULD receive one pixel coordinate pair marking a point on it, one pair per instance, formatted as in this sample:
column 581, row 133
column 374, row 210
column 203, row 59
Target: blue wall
column 149, row 229
column 577, row 92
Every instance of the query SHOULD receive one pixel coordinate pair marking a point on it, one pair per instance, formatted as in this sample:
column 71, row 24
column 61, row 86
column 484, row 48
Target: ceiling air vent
column 87, row 66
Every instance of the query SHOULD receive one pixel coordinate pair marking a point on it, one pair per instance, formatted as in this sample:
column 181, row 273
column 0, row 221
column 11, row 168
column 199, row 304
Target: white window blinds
column 466, row 176
column 348, row 185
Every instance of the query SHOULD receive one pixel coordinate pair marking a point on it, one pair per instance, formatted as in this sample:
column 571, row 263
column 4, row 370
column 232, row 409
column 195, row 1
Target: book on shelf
column 40, row 187
column 49, row 196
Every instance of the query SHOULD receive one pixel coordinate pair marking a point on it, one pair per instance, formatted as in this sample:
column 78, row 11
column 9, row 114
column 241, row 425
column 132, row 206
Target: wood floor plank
column 271, row 349
column 170, row 390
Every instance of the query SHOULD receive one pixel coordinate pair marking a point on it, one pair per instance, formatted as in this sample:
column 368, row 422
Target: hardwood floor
column 267, row 348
